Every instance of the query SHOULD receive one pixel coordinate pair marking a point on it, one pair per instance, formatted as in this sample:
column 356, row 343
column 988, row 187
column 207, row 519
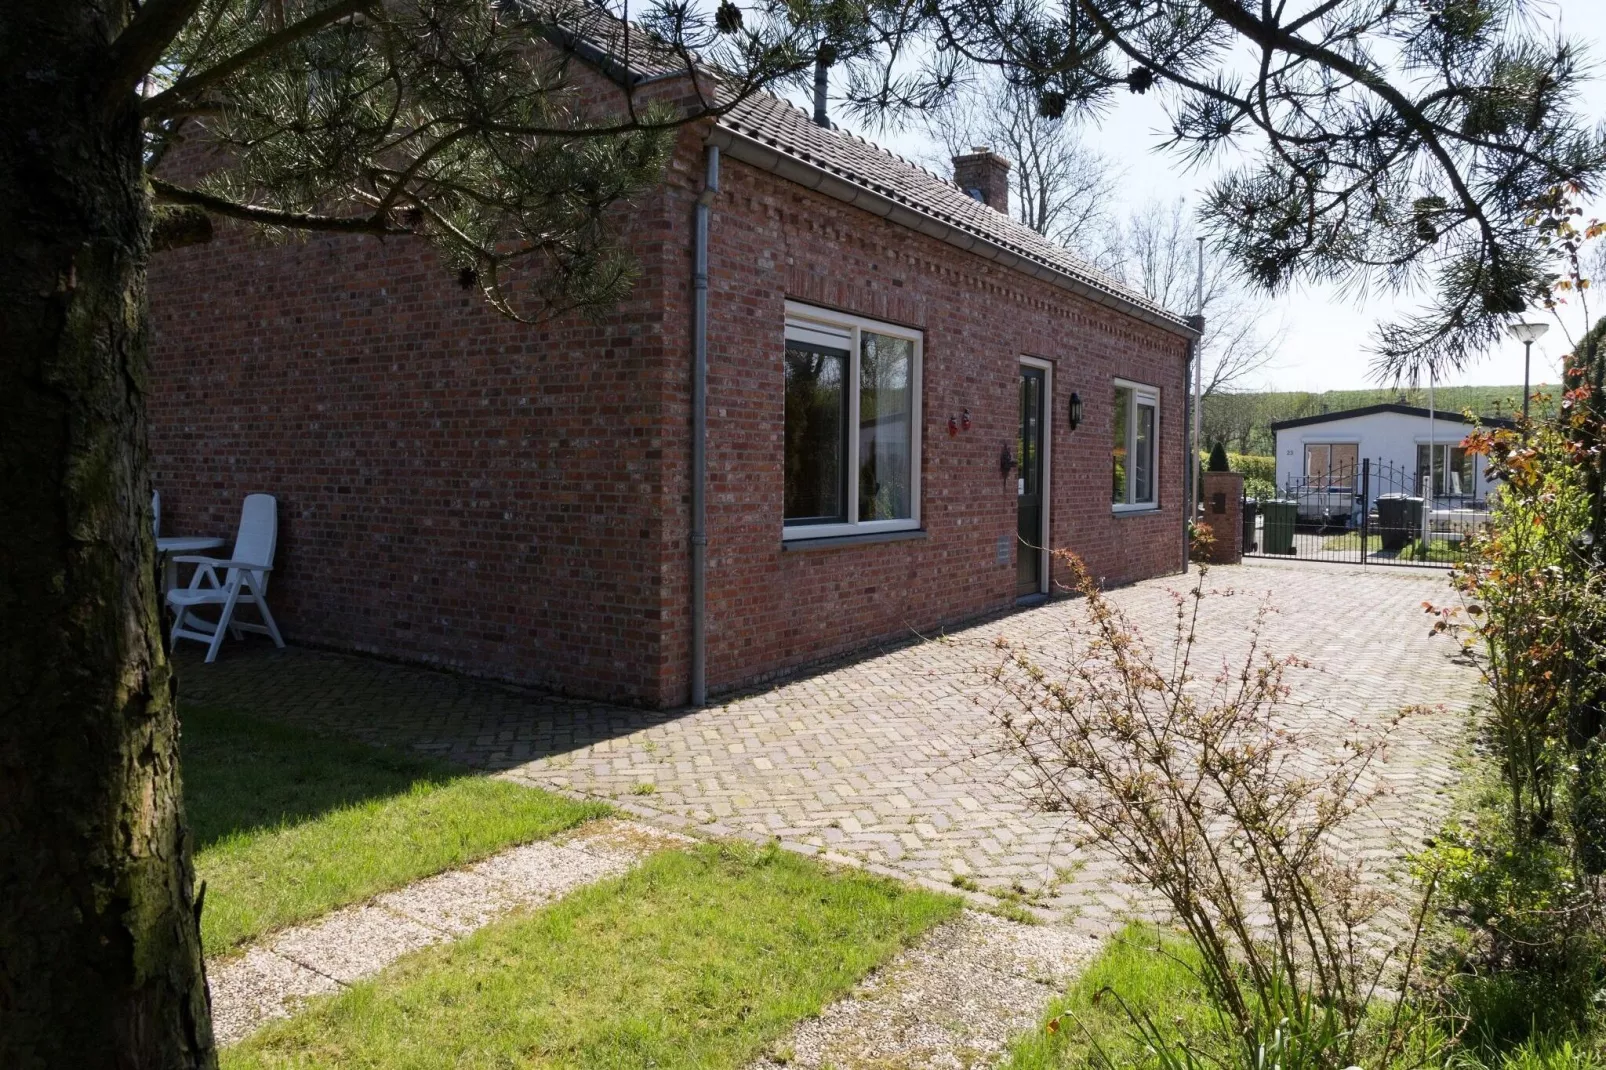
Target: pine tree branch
column 173, row 99
column 1272, row 37
column 138, row 48
column 274, row 217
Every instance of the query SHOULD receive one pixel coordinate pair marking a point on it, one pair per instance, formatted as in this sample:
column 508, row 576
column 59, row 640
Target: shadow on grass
column 243, row 774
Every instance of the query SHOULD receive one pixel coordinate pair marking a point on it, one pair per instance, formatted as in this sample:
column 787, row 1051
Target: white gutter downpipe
column 699, row 432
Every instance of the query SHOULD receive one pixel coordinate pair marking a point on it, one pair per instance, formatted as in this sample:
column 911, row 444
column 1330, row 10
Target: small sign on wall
column 1004, row 545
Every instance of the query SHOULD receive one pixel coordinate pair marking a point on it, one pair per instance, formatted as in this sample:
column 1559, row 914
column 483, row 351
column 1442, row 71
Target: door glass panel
column 886, row 407
column 1123, row 412
column 1143, row 456
column 1029, row 503
column 816, row 444
column 1027, row 447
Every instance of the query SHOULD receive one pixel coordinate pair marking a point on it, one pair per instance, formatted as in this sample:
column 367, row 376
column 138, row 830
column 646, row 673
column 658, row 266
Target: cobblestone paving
column 886, row 760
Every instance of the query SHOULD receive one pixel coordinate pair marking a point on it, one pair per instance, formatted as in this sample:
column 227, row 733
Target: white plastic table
column 169, row 547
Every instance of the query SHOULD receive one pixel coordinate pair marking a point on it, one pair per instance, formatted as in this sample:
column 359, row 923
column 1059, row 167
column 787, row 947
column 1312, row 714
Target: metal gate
column 1366, row 513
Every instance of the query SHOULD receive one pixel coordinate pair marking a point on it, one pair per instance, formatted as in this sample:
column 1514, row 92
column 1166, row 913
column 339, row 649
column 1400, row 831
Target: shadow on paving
column 449, row 718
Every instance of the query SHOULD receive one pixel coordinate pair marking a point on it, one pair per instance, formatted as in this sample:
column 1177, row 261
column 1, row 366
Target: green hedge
column 1254, row 466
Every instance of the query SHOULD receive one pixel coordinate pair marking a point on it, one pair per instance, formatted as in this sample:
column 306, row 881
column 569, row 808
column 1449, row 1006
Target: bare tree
column 1062, row 188
column 1154, row 250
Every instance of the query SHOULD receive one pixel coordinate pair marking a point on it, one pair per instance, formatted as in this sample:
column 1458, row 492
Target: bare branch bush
column 1192, row 782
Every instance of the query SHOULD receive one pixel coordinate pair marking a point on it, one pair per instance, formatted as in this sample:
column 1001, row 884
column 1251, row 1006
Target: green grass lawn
column 1437, row 549
column 1147, row 968
column 290, row 825
column 698, row 958
column 1152, row 973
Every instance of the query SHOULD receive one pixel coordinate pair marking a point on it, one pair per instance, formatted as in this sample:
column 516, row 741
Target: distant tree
column 1154, row 250
column 1233, row 418
column 1061, row 187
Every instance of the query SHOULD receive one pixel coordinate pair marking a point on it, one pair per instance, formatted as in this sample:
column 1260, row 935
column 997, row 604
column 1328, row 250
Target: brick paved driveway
column 883, row 760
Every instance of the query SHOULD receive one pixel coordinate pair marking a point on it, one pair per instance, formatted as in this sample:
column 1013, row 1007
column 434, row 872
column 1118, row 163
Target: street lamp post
column 1527, row 334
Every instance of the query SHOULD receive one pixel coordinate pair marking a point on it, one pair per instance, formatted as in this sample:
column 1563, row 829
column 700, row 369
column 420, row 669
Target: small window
column 852, row 426
column 1136, row 446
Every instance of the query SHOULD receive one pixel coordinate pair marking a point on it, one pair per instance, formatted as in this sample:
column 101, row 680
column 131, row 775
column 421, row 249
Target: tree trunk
column 100, row 962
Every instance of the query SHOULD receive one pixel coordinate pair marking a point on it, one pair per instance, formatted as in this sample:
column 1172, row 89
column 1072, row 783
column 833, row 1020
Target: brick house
column 520, row 502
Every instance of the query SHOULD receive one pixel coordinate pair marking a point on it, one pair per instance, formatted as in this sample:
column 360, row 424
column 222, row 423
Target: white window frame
column 806, row 316
column 1329, row 443
column 1142, row 393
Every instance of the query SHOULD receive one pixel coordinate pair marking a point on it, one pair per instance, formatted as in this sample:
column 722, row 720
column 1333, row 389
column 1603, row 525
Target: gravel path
column 273, row 979
column 952, row 1002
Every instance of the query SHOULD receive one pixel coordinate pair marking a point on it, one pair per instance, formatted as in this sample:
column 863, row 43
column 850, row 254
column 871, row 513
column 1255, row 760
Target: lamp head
column 1527, row 333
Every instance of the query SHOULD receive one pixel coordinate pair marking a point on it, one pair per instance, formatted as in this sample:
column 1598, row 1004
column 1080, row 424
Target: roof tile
column 769, row 119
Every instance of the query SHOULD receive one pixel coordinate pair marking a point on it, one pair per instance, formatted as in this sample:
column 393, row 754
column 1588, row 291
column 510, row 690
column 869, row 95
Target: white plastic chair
column 245, row 581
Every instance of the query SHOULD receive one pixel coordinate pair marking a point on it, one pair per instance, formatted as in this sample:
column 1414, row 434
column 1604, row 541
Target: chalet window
column 1452, row 470
column 852, row 427
column 1136, row 447
column 1332, row 464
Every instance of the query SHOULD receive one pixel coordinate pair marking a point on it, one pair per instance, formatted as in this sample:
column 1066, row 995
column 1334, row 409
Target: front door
column 1031, row 486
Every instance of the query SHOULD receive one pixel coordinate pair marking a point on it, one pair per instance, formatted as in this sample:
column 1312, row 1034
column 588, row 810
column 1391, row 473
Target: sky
column 1327, row 334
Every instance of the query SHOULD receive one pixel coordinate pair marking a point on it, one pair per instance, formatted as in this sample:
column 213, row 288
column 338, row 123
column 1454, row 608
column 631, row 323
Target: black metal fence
column 1368, row 513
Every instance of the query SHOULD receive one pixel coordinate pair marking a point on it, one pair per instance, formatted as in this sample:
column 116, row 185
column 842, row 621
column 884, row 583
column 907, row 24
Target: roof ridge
column 1020, row 239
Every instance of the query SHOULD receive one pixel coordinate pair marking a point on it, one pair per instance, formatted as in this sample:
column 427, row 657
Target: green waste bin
column 1399, row 520
column 1251, row 511
column 1278, row 532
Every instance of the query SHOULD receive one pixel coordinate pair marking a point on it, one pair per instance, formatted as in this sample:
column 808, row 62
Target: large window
column 1136, row 446
column 1452, row 470
column 1332, row 464
column 852, row 433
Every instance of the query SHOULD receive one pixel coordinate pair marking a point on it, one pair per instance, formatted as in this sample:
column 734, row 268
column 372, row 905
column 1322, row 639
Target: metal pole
column 1527, row 351
column 1366, row 506
column 1433, row 447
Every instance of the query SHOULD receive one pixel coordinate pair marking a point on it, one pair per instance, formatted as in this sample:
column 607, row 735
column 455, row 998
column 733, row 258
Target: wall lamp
column 1076, row 410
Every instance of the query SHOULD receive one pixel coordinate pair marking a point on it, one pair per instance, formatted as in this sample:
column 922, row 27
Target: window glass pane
column 1452, row 470
column 1460, row 469
column 886, row 408
column 1343, row 464
column 1143, row 455
column 816, row 425
column 1316, row 457
column 1123, row 416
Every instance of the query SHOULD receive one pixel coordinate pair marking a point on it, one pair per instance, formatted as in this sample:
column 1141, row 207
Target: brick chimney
column 984, row 175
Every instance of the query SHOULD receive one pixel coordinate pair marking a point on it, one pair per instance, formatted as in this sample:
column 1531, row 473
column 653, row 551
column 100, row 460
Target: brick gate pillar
column 1223, row 515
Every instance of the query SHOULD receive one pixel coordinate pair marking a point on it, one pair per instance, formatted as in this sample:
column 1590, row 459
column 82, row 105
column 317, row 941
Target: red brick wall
column 1223, row 515
column 513, row 501
column 771, row 610
column 454, row 488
